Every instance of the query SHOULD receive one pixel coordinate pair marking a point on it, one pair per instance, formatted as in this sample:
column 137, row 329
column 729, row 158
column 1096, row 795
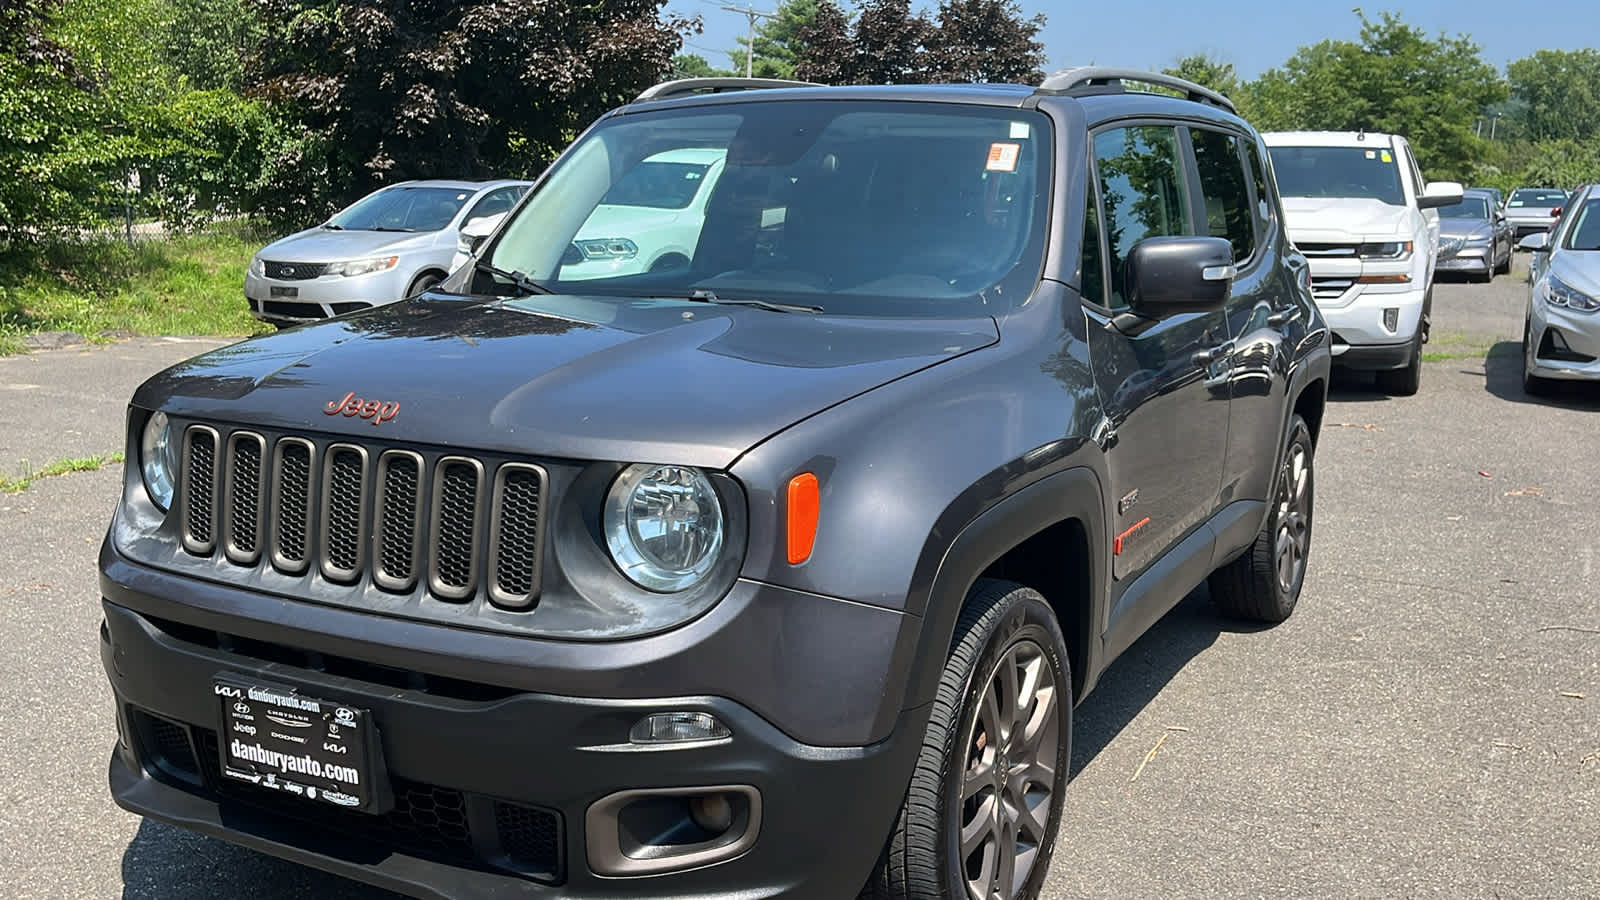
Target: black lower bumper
column 1375, row 357
column 494, row 789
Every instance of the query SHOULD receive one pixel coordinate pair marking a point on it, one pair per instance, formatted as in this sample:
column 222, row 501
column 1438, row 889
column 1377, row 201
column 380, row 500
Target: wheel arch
column 1021, row 539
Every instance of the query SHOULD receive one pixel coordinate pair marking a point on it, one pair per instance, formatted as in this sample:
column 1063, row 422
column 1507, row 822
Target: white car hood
column 1335, row 220
column 610, row 221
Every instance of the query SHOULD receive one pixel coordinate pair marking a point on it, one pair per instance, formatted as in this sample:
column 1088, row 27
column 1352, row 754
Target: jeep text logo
column 351, row 405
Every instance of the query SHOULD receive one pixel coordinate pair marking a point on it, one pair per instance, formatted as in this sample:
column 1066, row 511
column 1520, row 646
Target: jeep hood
column 664, row 381
column 1333, row 220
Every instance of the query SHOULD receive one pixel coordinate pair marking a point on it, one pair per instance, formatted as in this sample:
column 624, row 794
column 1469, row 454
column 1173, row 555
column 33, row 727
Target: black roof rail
column 684, row 87
column 1082, row 78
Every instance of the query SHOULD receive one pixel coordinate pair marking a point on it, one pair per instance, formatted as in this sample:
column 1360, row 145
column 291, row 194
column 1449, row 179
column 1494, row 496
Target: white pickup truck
column 1357, row 206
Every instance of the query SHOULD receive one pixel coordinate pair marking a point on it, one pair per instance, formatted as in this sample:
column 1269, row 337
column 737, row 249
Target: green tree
column 1394, row 79
column 1562, row 163
column 1560, row 93
column 693, row 65
column 777, row 40
column 1208, row 72
column 385, row 90
column 986, row 41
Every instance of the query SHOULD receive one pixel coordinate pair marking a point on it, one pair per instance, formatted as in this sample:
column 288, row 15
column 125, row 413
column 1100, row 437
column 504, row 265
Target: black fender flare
column 1075, row 493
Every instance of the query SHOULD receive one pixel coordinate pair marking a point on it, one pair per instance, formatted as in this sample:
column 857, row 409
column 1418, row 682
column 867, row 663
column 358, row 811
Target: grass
column 16, row 484
column 183, row 285
column 1455, row 345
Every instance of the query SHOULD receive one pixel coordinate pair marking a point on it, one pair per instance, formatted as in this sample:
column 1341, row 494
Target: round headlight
column 664, row 526
column 158, row 459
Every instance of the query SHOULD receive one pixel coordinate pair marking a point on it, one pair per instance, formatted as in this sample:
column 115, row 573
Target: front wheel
column 1532, row 385
column 980, row 817
column 423, row 283
column 1406, row 380
column 1264, row 584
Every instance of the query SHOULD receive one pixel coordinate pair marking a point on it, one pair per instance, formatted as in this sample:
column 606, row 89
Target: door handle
column 1283, row 316
column 1215, row 354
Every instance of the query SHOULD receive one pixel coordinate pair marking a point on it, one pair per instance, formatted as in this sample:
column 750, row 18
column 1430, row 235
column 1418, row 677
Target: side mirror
column 1538, row 242
column 469, row 243
column 1168, row 276
column 1440, row 193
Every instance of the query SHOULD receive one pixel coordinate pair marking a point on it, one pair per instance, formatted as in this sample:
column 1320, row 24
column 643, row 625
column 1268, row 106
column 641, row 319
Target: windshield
column 1585, row 231
column 1537, row 197
column 1338, row 172
column 403, row 209
column 1468, row 208
column 862, row 208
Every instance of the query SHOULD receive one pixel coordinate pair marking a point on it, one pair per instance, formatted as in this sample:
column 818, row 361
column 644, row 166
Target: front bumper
column 1476, row 260
column 496, row 789
column 315, row 299
column 1362, row 338
column 1576, row 355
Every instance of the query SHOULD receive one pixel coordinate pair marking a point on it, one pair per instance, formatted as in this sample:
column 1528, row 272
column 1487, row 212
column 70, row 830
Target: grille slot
column 514, row 551
column 244, row 489
column 397, row 533
column 200, row 490
column 292, row 465
column 344, row 512
column 453, row 548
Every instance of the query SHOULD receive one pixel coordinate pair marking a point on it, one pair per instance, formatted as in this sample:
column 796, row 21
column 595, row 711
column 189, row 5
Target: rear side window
column 1226, row 191
column 1142, row 194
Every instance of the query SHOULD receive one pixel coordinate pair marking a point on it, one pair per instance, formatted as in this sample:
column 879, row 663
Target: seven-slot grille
column 455, row 526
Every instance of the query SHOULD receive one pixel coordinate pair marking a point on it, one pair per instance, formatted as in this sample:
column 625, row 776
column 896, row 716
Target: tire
column 1003, row 626
column 1261, row 585
column 1407, row 380
column 1504, row 268
column 422, row 283
column 1532, row 385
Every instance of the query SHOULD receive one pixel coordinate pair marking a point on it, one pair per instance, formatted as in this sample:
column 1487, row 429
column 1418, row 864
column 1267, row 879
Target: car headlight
column 1390, row 250
column 664, row 526
column 607, row 248
column 1447, row 245
column 158, row 459
column 1556, row 292
column 362, row 266
column 258, row 266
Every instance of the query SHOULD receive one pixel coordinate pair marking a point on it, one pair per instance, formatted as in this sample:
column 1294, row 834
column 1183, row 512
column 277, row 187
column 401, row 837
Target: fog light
column 1391, row 318
column 677, row 728
column 712, row 812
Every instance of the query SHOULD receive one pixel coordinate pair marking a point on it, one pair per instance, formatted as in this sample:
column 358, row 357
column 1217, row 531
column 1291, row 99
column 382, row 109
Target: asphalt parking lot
column 1425, row 726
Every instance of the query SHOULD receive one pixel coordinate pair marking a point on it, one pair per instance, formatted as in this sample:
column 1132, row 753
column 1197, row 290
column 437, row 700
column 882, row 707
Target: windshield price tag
column 1003, row 156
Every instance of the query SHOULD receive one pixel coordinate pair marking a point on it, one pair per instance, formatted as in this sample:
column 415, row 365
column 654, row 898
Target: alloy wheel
column 1010, row 774
column 1293, row 518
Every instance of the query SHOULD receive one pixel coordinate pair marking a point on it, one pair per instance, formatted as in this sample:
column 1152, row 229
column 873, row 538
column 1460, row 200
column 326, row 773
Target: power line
column 752, row 14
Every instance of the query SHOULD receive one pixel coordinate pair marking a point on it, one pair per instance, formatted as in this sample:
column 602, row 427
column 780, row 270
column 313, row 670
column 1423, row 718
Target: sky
column 1254, row 35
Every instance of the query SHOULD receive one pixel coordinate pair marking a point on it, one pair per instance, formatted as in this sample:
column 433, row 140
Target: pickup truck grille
column 351, row 514
column 1330, row 288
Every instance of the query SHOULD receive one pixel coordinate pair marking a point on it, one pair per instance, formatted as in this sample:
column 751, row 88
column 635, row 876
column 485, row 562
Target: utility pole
column 752, row 14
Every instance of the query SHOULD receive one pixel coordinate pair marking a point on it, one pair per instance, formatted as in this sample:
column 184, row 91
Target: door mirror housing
column 1440, row 193
column 1168, row 276
column 1538, row 242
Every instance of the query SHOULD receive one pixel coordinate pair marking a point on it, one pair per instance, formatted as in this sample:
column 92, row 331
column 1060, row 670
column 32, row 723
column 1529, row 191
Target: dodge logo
column 351, row 406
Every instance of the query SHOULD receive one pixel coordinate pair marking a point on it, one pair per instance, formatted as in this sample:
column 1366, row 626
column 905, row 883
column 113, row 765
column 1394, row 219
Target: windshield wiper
column 518, row 280
column 332, row 227
column 704, row 296
column 387, row 228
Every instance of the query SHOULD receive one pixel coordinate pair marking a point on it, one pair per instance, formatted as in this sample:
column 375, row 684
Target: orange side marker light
column 805, row 506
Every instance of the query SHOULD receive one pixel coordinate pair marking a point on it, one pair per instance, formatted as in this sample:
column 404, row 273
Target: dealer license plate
column 279, row 739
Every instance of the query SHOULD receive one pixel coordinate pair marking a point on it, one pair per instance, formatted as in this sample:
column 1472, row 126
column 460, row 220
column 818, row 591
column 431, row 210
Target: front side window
column 1338, row 172
column 1224, row 186
column 862, row 208
column 1142, row 194
column 403, row 209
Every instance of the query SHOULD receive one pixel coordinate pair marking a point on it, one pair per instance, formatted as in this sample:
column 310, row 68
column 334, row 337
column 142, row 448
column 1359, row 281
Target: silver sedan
column 1561, row 337
column 391, row 244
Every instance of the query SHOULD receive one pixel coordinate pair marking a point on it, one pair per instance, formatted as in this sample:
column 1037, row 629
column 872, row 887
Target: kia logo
column 288, row 271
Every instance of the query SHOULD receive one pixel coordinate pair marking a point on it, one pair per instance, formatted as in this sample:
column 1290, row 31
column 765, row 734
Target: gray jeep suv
column 777, row 570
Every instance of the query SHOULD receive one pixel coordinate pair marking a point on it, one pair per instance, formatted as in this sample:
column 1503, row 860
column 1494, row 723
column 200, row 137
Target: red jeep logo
column 352, row 406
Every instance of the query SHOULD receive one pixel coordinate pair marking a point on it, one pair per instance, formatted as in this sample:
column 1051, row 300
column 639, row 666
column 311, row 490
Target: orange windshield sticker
column 1003, row 156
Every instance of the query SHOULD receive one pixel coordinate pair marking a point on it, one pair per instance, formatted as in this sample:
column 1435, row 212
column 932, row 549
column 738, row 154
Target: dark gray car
column 1474, row 237
column 775, row 573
